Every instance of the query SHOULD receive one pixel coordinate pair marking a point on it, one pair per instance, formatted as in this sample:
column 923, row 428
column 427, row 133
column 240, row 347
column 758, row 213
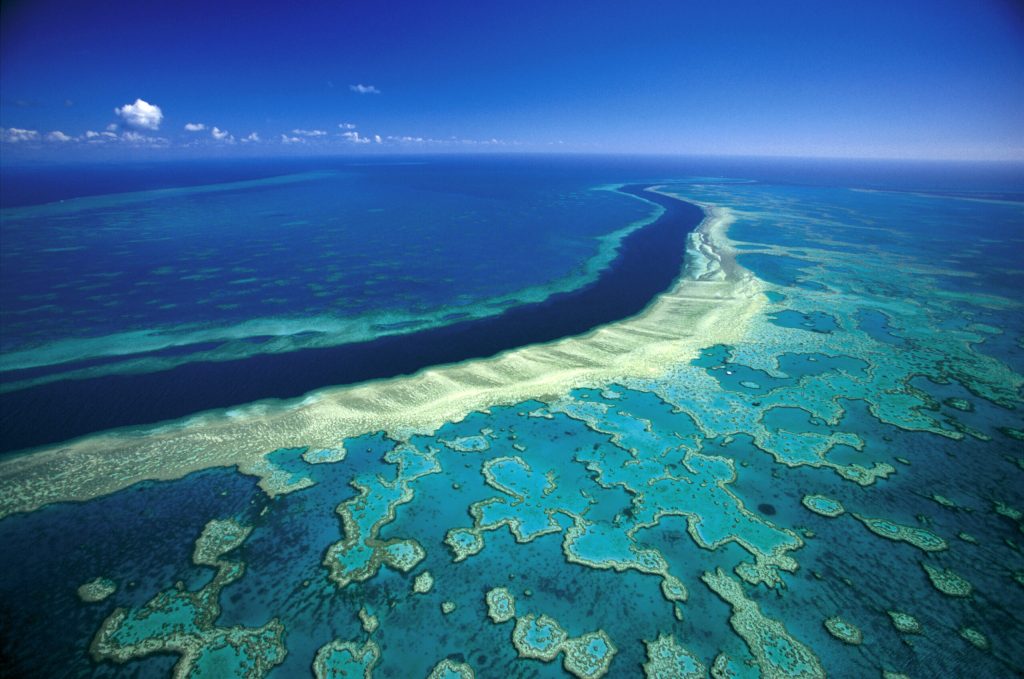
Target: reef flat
column 770, row 472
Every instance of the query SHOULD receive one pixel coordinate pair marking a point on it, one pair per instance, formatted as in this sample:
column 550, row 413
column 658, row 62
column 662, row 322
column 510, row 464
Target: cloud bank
column 17, row 134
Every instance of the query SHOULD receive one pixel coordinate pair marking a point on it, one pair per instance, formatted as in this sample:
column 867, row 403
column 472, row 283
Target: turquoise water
column 883, row 372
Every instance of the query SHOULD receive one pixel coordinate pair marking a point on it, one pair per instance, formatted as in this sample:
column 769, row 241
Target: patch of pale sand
column 672, row 329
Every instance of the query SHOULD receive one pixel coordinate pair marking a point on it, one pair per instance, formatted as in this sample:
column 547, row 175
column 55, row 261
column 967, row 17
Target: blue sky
column 910, row 79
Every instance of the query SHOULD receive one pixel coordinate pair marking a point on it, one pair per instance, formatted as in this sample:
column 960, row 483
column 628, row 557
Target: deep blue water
column 22, row 185
column 297, row 252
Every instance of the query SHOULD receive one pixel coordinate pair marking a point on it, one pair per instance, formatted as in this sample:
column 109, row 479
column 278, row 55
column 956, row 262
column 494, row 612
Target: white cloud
column 112, row 127
column 347, row 126
column 355, row 138
column 483, row 142
column 377, row 138
column 285, row 139
column 141, row 115
column 16, row 134
column 127, row 137
column 450, row 141
column 364, row 89
column 309, row 133
column 57, row 135
column 95, row 137
column 220, row 135
column 252, row 137
column 194, row 127
column 137, row 138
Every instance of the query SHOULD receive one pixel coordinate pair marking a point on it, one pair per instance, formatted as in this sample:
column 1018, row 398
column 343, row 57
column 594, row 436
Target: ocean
column 512, row 415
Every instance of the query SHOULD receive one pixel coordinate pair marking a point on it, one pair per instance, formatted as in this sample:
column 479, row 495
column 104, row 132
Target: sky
column 921, row 79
